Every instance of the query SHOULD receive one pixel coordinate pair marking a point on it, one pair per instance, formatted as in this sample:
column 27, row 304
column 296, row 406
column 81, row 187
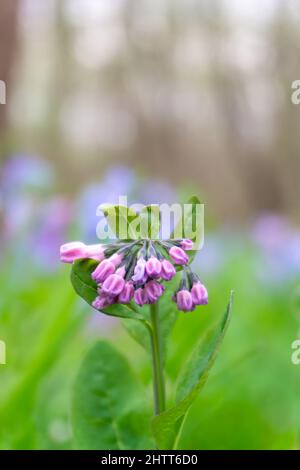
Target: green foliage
column 243, row 406
column 107, row 409
column 119, row 219
column 126, row 224
column 167, row 425
column 149, row 219
column 168, row 314
column 189, row 220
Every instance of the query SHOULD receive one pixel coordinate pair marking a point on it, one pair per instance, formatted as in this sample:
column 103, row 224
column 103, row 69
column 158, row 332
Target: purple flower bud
column 69, row 252
column 178, row 255
column 103, row 302
column 187, row 244
column 139, row 270
column 153, row 267
column 95, row 252
column 121, row 271
column 184, row 300
column 140, row 297
column 167, row 270
column 127, row 293
column 153, row 291
column 199, row 294
column 113, row 284
column 103, row 270
column 116, row 259
column 143, row 280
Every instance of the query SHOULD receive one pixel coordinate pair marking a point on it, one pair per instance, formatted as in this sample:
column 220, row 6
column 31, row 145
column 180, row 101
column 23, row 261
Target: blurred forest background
column 193, row 91
column 156, row 100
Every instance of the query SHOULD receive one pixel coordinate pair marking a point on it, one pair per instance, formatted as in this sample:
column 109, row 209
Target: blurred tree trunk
column 8, row 50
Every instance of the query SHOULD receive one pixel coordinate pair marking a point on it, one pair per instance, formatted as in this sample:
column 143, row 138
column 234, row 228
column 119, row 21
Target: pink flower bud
column 167, row 270
column 153, row 291
column 103, row 270
column 69, row 252
column 187, row 244
column 127, row 293
column 199, row 294
column 103, row 302
column 121, row 271
column 178, row 255
column 95, row 252
column 113, row 284
column 139, row 270
column 153, row 267
column 116, row 259
column 184, row 300
column 140, row 297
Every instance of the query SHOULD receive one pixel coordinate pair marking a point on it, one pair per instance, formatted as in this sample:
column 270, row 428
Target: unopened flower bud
column 153, row 291
column 69, row 252
column 153, row 267
column 199, row 294
column 113, row 284
column 139, row 270
column 140, row 297
column 187, row 244
column 103, row 270
column 184, row 300
column 167, row 270
column 178, row 255
column 116, row 259
column 101, row 302
column 127, row 293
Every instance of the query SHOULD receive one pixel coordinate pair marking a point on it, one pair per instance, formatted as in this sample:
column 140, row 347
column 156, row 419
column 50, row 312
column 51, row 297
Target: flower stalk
column 157, row 361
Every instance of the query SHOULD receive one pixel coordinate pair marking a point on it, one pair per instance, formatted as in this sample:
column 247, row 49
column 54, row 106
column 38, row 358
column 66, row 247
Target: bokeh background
column 156, row 100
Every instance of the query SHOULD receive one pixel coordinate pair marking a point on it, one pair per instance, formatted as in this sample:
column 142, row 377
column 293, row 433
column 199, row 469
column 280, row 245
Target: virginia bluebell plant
column 136, row 280
column 136, row 271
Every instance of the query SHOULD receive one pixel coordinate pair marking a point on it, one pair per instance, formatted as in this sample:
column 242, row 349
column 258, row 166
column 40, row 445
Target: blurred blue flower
column 157, row 191
column 50, row 232
column 23, row 180
column 117, row 181
column 24, row 172
column 279, row 248
column 211, row 258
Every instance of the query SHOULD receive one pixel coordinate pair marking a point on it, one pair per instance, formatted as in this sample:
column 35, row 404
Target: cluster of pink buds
column 191, row 292
column 135, row 271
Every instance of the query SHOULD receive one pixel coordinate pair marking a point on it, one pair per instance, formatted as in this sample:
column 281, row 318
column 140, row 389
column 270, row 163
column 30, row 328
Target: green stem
column 158, row 373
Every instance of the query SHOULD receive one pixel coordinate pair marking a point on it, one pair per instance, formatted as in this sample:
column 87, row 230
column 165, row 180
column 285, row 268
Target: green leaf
column 107, row 412
column 189, row 226
column 166, row 426
column 87, row 289
column 150, row 222
column 168, row 314
column 119, row 219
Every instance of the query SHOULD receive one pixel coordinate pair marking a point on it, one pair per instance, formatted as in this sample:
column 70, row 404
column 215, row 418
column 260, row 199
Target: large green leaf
column 119, row 219
column 129, row 225
column 168, row 314
column 167, row 425
column 149, row 218
column 107, row 411
column 189, row 220
column 87, row 289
